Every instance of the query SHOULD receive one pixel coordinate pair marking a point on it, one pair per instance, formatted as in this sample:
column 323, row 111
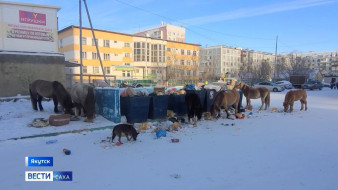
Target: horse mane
column 62, row 95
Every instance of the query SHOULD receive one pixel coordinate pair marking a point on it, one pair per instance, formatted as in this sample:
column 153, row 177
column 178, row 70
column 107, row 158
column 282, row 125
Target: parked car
column 271, row 86
column 313, row 85
column 285, row 83
column 326, row 84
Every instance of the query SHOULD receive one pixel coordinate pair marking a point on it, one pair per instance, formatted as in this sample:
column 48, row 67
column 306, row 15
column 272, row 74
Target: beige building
column 165, row 32
column 128, row 57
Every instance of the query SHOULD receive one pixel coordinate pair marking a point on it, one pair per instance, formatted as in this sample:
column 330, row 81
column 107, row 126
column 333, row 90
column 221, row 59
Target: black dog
column 124, row 130
column 194, row 106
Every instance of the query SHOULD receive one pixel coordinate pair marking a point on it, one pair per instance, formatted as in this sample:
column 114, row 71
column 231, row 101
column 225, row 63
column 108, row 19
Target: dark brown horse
column 41, row 88
column 295, row 95
column 83, row 97
column 255, row 93
column 225, row 99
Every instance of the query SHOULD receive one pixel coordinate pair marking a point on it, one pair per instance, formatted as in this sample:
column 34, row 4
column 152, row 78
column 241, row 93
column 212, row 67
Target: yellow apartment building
column 129, row 57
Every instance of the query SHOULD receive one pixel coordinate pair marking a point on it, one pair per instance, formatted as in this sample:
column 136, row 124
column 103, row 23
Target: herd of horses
column 81, row 96
column 225, row 99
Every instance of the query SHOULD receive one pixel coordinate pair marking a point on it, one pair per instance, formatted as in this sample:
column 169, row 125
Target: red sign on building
column 32, row 18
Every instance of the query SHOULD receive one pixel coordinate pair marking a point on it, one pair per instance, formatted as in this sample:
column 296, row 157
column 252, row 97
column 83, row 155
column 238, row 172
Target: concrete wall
column 17, row 71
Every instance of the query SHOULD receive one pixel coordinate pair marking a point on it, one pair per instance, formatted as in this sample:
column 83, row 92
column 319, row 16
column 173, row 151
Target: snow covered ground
column 270, row 150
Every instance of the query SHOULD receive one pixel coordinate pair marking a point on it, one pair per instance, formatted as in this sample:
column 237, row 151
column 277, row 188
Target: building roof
column 132, row 35
column 30, row 5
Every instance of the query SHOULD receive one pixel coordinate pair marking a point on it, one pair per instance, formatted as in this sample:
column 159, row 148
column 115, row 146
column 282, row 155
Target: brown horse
column 41, row 88
column 294, row 95
column 225, row 99
column 255, row 93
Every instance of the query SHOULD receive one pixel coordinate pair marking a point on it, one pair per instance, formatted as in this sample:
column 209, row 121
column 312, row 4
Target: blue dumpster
column 135, row 108
column 209, row 98
column 107, row 103
column 177, row 104
column 158, row 107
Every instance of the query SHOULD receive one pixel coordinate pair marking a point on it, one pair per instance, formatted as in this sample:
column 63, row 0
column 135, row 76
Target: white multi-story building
column 28, row 27
column 165, row 32
column 217, row 61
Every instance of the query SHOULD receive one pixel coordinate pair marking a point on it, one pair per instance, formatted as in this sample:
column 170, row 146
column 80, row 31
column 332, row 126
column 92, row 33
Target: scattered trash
column 143, row 126
column 161, row 133
column 118, row 143
column 175, row 126
column 39, row 122
column 207, row 116
column 51, row 141
column 66, row 151
column 174, row 140
column 232, row 124
column 273, row 109
column 250, row 113
column 176, row 176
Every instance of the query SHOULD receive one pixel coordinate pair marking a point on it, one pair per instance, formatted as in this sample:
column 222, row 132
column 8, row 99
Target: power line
column 187, row 25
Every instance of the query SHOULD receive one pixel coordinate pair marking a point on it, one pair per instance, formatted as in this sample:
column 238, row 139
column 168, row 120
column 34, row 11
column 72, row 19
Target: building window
column 123, row 73
column 84, row 41
column 126, row 44
column 84, row 55
column 60, row 43
column 115, row 42
column 153, row 72
column 194, row 53
column 188, row 72
column 188, row 52
column 107, row 70
column 182, row 62
column 128, row 73
column 182, row 51
column 106, row 43
column 127, row 64
column 106, row 56
column 93, row 42
column 127, row 54
column 94, row 55
column 96, row 70
column 188, row 62
column 84, row 69
column 116, row 54
column 137, row 70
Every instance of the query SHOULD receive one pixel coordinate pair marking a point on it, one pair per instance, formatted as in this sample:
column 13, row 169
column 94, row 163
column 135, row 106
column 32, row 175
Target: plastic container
column 51, row 141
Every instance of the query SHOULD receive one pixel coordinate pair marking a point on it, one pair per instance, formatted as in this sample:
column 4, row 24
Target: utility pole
column 96, row 45
column 276, row 58
column 80, row 20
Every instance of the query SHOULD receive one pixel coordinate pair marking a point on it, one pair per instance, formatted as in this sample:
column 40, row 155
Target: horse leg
column 39, row 101
column 247, row 102
column 33, row 99
column 55, row 100
column 302, row 104
column 291, row 106
column 262, row 100
column 305, row 102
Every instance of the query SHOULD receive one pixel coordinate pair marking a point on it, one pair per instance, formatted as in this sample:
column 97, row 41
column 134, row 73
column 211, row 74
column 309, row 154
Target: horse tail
column 267, row 99
column 90, row 103
column 33, row 99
